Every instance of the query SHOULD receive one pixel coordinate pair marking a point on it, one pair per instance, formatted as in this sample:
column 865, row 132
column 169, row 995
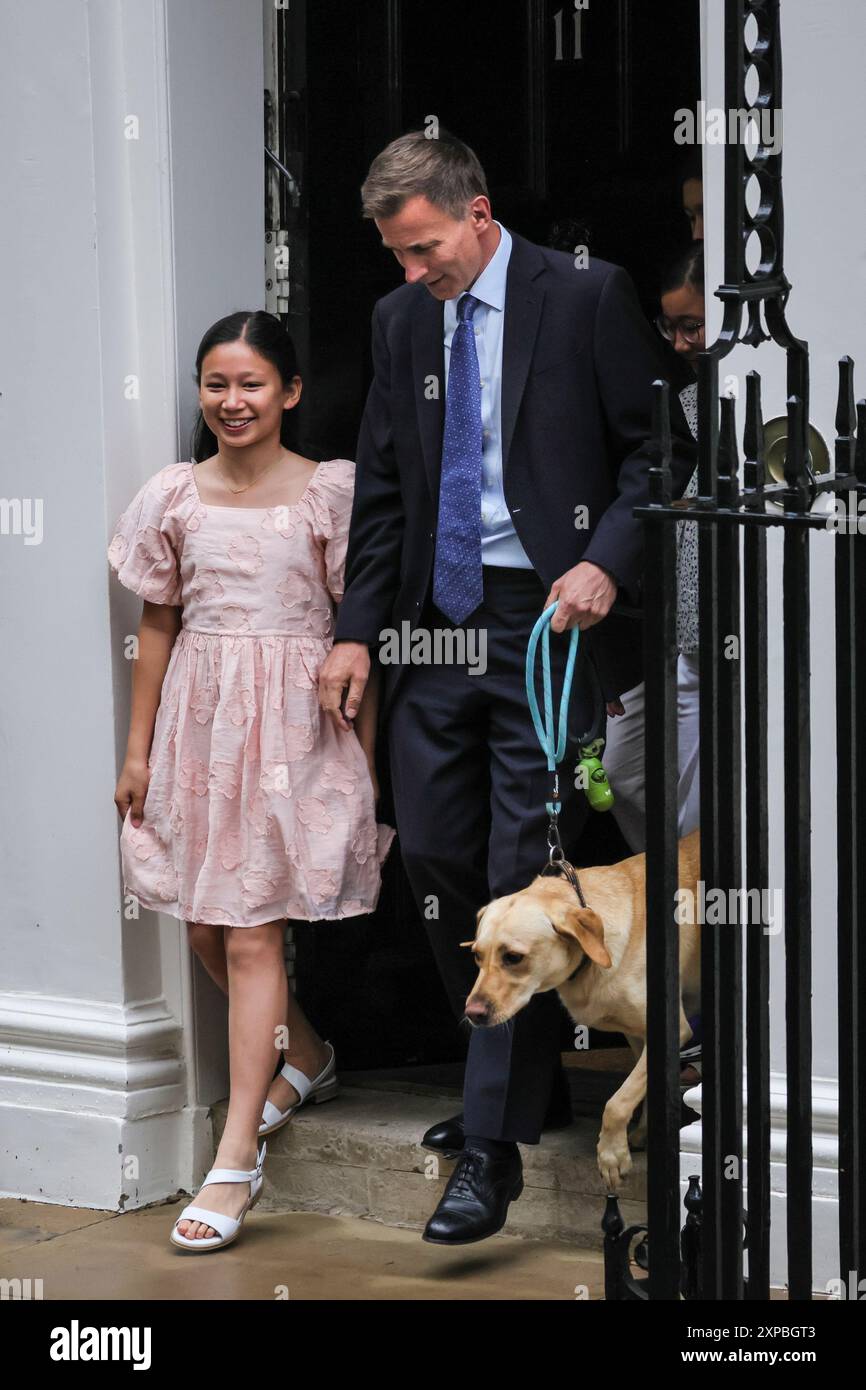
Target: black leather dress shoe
column 474, row 1205
column 446, row 1137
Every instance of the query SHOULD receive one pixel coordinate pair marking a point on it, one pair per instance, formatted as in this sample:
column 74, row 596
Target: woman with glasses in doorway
column 682, row 323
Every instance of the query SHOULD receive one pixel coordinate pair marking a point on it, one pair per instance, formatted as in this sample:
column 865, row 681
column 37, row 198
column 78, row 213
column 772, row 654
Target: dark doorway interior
column 572, row 114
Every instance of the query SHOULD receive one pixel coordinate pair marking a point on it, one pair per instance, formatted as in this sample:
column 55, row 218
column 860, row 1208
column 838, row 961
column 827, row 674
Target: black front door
column 570, row 108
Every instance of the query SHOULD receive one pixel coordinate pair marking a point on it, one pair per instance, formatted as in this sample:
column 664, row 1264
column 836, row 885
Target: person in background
column 682, row 323
column 692, row 193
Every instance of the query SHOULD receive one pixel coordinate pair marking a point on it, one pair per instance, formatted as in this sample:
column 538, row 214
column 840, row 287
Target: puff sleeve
column 338, row 492
column 143, row 552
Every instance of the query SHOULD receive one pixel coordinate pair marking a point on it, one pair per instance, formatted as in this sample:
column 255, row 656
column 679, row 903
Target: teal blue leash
column 552, row 747
column 554, row 739
column 553, row 750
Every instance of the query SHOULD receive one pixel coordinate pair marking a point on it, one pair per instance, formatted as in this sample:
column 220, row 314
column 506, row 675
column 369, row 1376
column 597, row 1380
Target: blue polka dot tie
column 457, row 576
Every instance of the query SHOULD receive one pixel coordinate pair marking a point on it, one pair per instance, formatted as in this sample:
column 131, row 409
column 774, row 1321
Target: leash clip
column 558, row 864
column 556, row 855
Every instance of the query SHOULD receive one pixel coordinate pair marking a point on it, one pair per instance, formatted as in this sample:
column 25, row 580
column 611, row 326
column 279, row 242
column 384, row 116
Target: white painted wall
column 120, row 253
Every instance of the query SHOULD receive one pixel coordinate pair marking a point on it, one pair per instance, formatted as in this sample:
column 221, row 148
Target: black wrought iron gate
column 706, row 1259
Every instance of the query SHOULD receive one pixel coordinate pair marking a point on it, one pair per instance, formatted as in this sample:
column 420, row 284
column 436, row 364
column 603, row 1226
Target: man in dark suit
column 502, row 451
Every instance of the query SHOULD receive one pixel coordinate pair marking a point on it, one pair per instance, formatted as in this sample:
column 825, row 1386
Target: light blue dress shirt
column 499, row 541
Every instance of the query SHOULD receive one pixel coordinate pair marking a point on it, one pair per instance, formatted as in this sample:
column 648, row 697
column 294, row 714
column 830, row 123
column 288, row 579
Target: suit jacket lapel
column 523, row 304
column 428, row 365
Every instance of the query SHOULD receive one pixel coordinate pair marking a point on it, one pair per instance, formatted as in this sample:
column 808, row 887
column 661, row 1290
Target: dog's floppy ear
column 479, row 914
column 586, row 928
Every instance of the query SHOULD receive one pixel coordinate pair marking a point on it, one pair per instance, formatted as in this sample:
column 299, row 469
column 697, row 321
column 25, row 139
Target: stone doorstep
column 359, row 1155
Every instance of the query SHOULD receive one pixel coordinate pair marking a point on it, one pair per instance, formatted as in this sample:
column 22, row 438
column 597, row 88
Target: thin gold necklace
column 236, row 491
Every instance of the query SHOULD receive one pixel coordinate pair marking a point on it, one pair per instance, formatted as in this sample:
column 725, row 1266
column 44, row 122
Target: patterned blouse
column 687, row 546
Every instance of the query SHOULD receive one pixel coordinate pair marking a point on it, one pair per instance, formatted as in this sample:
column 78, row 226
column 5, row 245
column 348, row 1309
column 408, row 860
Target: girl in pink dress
column 242, row 803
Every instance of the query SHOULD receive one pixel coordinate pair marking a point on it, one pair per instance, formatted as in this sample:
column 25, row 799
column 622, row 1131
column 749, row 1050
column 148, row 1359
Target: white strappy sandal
column 227, row 1226
column 323, row 1087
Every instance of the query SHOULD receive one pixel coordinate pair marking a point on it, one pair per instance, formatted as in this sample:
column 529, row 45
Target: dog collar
column 562, row 868
column 566, row 870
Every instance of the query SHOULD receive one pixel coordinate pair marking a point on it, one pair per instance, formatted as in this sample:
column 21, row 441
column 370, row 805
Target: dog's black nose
column 477, row 1011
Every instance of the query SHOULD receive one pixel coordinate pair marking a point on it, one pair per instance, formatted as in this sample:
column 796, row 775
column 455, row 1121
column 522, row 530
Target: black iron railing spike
column 753, row 441
column 729, row 490
column 846, row 422
column 796, row 473
column 693, row 1200
column 860, row 452
column 845, row 409
column 660, row 448
column 612, row 1223
column 615, row 1265
column 690, row 1241
column 850, row 779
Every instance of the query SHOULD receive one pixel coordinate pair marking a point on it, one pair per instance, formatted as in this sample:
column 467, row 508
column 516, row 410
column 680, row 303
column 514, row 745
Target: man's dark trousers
column 470, row 785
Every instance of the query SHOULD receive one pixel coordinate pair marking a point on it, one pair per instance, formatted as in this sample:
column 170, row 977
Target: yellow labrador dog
column 541, row 938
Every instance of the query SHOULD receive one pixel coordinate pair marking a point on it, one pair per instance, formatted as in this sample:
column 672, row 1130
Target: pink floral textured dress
column 257, row 808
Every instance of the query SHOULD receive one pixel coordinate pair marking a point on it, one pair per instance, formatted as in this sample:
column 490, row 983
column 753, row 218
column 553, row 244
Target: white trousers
column 624, row 758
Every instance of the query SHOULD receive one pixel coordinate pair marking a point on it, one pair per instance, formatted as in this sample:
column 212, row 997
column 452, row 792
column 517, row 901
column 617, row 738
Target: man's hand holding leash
column 585, row 595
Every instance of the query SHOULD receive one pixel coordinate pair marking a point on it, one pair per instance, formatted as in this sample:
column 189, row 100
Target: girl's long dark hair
column 269, row 338
column 687, row 268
